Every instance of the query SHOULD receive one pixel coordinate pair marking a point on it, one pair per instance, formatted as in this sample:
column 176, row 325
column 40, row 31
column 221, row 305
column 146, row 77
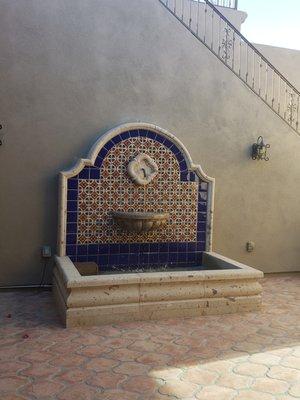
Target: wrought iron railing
column 225, row 3
column 226, row 42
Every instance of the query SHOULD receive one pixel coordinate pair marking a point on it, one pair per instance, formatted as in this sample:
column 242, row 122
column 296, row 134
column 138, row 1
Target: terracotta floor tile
column 219, row 366
column 106, row 380
column 9, row 353
column 296, row 351
column 248, row 347
column 140, row 384
column 265, row 358
column 263, row 340
column 62, row 348
column 154, row 359
column 132, row 368
column 295, row 390
column 40, row 370
column 216, row 393
column 251, row 369
column 199, row 376
column 106, row 331
column 119, row 394
column 11, row 383
column 253, row 395
column 61, row 335
column 74, row 375
column 41, row 389
column 190, row 341
column 286, row 397
column 173, row 349
column 72, row 360
column 164, row 338
column 8, row 341
column 281, row 352
column 93, row 351
column 37, row 356
column 125, row 354
column 8, row 368
column 200, row 352
column 89, row 339
column 284, row 373
column 179, row 389
column 292, row 361
column 166, row 373
column 117, row 343
column 101, row 364
column 144, row 345
column 159, row 396
column 79, row 392
column 269, row 385
column 234, row 357
column 234, row 381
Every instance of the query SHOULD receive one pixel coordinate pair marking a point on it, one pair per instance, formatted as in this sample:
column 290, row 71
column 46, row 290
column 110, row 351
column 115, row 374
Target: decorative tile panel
column 106, row 187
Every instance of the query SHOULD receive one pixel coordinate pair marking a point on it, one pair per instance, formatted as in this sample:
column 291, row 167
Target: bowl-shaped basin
column 140, row 221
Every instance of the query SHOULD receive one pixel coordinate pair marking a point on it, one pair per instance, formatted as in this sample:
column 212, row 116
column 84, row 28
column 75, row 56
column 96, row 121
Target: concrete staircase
column 205, row 21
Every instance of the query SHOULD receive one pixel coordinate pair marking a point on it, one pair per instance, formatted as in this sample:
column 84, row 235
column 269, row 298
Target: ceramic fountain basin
column 140, row 221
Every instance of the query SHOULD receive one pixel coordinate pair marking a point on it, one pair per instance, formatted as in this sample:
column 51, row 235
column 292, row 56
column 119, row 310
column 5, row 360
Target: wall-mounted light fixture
column 259, row 150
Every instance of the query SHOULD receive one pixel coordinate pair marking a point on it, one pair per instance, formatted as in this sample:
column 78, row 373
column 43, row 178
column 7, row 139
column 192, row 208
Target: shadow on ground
column 245, row 356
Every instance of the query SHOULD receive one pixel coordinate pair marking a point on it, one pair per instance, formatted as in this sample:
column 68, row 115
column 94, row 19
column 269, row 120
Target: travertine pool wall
column 105, row 299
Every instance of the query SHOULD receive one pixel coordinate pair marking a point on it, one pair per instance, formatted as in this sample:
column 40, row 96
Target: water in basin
column 164, row 267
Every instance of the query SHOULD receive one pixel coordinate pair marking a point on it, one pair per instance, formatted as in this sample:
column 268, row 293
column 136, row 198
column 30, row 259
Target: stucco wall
column 70, row 70
column 287, row 61
column 236, row 17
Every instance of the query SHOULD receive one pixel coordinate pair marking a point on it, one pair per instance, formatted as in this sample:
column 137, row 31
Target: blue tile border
column 94, row 173
column 73, row 184
column 71, row 238
column 85, row 173
column 93, row 249
column 108, row 255
column 131, row 253
column 71, row 217
column 72, row 195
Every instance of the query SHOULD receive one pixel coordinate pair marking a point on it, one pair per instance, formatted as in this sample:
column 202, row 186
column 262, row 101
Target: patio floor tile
column 253, row 356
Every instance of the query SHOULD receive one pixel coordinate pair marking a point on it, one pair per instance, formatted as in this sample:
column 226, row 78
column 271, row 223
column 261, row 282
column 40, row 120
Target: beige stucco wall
column 286, row 60
column 236, row 17
column 72, row 69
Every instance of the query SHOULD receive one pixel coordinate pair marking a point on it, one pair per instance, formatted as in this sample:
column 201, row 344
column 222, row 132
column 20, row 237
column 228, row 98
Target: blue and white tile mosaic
column 97, row 191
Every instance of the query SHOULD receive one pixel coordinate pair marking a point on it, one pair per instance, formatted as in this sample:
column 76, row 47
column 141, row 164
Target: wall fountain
column 140, row 213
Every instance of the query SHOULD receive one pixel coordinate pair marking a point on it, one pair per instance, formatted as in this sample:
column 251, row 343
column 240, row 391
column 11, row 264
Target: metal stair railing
column 226, row 3
column 226, row 42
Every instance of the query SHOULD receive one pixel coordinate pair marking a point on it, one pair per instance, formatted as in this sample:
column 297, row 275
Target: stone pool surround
column 106, row 299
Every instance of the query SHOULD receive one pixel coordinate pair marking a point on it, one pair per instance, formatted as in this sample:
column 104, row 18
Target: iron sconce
column 259, row 150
